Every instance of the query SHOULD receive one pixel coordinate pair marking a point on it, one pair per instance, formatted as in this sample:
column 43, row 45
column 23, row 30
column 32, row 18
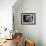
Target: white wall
column 6, row 13
column 36, row 32
column 43, row 22
column 30, row 31
column 6, row 17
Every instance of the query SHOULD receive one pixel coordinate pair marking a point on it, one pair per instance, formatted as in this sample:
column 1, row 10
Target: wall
column 6, row 17
column 6, row 13
column 43, row 22
column 32, row 32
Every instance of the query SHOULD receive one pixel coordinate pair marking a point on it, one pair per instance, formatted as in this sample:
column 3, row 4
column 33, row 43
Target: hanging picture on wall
column 28, row 18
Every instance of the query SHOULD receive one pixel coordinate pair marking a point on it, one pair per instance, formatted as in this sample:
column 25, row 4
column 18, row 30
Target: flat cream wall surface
column 32, row 32
column 6, row 13
column 43, row 22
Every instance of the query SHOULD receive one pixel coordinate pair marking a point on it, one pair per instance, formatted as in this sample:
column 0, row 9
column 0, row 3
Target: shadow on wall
column 17, row 4
column 17, row 23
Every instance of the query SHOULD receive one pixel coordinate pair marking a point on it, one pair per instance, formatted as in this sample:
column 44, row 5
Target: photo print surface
column 28, row 18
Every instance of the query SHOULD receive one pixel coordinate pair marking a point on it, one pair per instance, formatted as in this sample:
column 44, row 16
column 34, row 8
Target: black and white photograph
column 28, row 18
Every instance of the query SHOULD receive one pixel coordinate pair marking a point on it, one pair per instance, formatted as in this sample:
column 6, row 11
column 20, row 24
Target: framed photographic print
column 28, row 18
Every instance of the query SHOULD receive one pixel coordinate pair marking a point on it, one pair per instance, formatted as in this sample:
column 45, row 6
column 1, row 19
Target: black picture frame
column 28, row 18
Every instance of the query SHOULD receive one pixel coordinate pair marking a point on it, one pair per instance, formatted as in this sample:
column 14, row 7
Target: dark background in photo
column 27, row 18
